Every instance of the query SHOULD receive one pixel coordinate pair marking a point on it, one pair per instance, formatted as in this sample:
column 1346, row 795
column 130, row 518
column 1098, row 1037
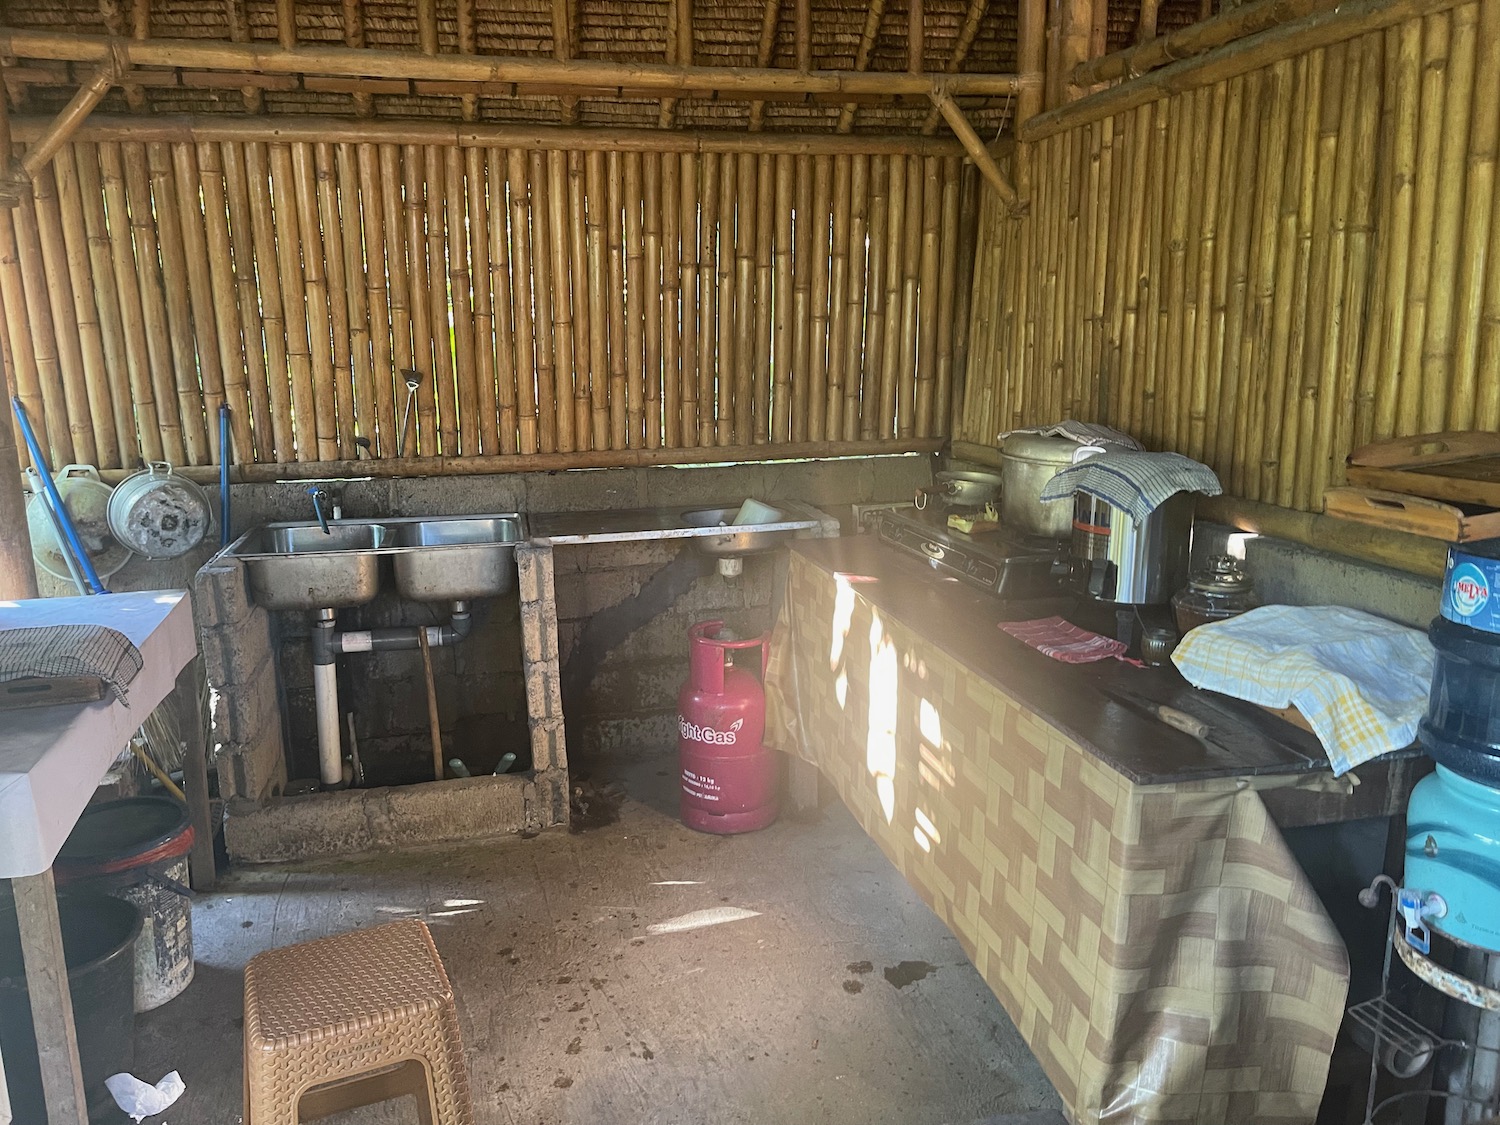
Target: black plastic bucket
column 137, row 849
column 99, row 935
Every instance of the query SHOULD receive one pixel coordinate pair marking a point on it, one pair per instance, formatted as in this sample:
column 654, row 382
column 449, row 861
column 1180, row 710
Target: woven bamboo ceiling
column 958, row 36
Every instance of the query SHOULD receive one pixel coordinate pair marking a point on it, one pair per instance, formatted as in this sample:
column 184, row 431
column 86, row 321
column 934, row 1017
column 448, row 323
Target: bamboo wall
column 1265, row 272
column 555, row 301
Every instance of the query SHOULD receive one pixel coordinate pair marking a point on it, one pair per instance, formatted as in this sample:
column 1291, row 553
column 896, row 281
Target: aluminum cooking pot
column 958, row 489
column 1027, row 463
column 158, row 513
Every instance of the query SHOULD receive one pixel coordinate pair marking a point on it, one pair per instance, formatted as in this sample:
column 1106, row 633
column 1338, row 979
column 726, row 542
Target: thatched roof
column 724, row 33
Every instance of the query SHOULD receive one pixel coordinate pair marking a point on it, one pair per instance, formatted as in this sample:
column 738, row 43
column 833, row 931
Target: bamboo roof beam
column 916, row 37
column 238, row 18
column 1349, row 20
column 1152, row 51
column 966, row 36
column 309, row 129
column 286, row 23
column 1031, row 54
column 736, row 82
column 354, row 36
column 427, row 31
column 679, row 50
column 139, row 17
column 802, row 15
column 562, row 51
column 874, row 15
column 468, row 44
column 71, row 116
column 769, row 19
column 975, row 148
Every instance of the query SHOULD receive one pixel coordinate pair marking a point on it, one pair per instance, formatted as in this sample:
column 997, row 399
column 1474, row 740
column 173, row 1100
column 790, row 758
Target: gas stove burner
column 1007, row 564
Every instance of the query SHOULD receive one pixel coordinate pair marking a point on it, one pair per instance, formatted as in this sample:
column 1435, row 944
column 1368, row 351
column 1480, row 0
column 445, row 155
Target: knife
column 1171, row 716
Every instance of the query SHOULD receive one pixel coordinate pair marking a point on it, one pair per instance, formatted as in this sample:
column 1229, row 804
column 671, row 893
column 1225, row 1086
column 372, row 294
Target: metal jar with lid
column 1221, row 590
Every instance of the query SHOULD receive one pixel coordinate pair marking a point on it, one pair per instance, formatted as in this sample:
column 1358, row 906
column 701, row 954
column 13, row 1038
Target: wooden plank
column 1426, row 450
column 51, row 998
column 1440, row 483
column 1415, row 515
column 185, row 696
column 50, row 691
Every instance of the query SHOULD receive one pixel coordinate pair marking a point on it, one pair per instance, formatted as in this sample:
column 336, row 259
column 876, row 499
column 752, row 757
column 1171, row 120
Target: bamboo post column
column 17, row 571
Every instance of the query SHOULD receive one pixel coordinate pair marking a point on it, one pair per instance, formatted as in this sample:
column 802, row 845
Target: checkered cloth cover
column 1360, row 681
column 1135, row 483
column 70, row 650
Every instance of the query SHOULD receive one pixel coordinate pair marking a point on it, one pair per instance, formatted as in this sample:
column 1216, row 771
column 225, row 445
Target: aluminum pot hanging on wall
column 158, row 513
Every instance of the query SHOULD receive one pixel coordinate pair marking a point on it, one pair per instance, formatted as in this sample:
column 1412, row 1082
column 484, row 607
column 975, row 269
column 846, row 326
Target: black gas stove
column 1008, row 565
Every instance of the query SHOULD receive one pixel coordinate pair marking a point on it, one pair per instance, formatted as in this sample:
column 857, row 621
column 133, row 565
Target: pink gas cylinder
column 730, row 779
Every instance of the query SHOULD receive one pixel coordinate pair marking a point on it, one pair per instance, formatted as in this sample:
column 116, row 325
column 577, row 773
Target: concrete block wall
column 235, row 642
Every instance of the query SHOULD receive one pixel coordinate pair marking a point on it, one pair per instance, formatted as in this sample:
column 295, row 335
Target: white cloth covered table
column 51, row 758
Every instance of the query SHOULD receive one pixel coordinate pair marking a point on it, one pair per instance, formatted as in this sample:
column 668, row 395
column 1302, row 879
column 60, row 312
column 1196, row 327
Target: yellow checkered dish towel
column 1360, row 681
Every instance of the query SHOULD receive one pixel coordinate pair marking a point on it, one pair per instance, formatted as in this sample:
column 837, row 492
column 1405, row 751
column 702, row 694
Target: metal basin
column 299, row 566
column 746, row 540
column 457, row 559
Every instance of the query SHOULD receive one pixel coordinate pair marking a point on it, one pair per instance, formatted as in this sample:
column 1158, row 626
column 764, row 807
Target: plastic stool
column 351, row 1020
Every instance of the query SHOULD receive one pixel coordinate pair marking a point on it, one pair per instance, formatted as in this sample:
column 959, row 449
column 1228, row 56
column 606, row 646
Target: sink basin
column 446, row 560
column 435, row 559
column 745, row 540
column 299, row 566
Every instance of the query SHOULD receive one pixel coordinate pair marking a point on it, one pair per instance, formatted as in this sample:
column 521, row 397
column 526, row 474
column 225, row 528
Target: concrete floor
column 840, row 999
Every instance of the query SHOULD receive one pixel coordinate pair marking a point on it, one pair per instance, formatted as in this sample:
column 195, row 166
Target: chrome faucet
column 327, row 505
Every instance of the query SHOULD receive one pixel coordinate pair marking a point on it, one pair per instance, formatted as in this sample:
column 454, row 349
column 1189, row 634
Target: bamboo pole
column 910, row 279
column 341, row 206
column 927, row 306
column 201, row 288
column 27, row 383
column 608, row 410
column 619, row 371
column 249, row 182
column 326, row 212
column 1237, row 279
column 852, row 344
column 1200, row 361
column 1438, row 345
column 224, row 301
column 390, row 182
column 526, row 354
column 311, row 128
column 947, row 254
column 710, row 346
column 742, row 413
column 74, row 381
column 816, row 372
column 287, row 245
column 354, row 36
column 974, row 146
column 423, row 437
column 764, row 297
column 584, row 390
column 380, row 246
column 99, row 272
column 671, row 299
column 461, row 284
column 689, row 285
column 558, row 228
column 501, row 239
column 782, row 301
column 895, row 248
column 968, row 230
column 872, row 373
column 153, row 309
column 316, row 302
column 341, row 61
column 802, row 281
column 651, row 205
column 542, row 296
column 486, row 333
column 114, row 273
column 177, row 284
column 1478, row 225
column 91, row 93
column 728, row 357
column 635, row 313
column 439, row 395
column 838, row 288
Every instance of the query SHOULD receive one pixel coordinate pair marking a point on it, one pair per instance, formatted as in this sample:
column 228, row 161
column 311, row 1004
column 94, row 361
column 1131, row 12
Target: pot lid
column 1224, row 574
column 1035, row 447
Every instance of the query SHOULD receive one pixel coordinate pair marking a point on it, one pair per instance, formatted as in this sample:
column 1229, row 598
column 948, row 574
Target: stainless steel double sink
column 435, row 559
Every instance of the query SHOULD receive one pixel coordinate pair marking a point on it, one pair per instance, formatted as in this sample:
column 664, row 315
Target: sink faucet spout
column 325, row 506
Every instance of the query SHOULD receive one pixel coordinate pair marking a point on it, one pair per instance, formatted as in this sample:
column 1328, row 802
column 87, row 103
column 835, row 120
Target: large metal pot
column 158, row 513
column 959, row 489
column 1027, row 463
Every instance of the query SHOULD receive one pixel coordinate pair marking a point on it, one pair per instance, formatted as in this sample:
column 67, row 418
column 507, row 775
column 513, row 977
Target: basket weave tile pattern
column 336, row 1009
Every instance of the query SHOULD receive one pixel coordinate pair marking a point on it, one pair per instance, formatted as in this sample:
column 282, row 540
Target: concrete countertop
column 1089, row 703
column 625, row 525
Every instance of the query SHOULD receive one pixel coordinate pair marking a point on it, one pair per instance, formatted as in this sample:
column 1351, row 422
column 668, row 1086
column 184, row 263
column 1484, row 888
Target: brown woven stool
column 351, row 1020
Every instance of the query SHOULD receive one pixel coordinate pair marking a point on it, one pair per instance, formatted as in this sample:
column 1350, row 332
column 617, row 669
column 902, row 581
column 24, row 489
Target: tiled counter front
column 1157, row 945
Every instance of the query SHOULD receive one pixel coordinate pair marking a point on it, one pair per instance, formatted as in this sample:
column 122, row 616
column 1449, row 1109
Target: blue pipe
column 49, row 486
column 223, row 474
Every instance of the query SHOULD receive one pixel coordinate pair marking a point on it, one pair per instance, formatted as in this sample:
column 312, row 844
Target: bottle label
column 1470, row 591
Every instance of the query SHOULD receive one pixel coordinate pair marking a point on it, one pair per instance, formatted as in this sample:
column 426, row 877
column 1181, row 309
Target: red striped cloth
column 1054, row 637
